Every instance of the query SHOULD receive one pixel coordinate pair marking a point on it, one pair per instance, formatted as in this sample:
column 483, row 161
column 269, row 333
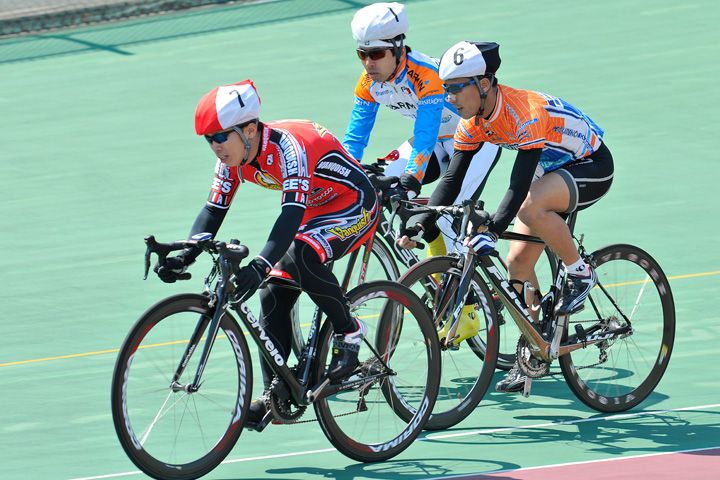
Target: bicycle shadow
column 601, row 433
column 396, row 469
column 556, row 388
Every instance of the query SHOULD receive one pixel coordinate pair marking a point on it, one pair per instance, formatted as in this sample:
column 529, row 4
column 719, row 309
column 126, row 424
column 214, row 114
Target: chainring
column 529, row 365
column 283, row 411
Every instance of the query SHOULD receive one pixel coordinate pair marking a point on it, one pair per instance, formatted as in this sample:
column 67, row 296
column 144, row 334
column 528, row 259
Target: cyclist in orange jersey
column 544, row 130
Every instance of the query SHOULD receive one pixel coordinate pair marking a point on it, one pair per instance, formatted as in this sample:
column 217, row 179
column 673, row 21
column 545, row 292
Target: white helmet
column 378, row 24
column 470, row 59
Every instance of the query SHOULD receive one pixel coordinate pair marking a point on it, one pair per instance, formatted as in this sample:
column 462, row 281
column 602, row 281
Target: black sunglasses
column 454, row 89
column 219, row 137
column 373, row 54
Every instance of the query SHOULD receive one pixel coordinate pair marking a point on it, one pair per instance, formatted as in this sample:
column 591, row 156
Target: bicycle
column 383, row 258
column 608, row 364
column 182, row 381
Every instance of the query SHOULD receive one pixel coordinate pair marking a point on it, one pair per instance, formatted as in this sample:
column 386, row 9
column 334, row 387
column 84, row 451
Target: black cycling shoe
column 574, row 293
column 258, row 415
column 514, row 382
column 345, row 353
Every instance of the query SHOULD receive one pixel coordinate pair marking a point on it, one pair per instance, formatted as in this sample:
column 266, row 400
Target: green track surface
column 97, row 150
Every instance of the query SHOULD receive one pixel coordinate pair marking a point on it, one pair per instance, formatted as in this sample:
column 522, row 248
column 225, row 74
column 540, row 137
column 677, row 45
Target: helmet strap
column 483, row 95
column 245, row 140
column 397, row 52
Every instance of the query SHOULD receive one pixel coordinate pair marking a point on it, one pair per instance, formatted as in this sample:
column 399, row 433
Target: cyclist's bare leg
column 549, row 195
column 521, row 261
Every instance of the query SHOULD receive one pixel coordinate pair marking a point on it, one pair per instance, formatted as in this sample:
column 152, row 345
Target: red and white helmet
column 226, row 106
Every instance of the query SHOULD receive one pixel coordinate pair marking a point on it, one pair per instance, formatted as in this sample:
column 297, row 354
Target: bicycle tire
column 635, row 363
column 468, row 371
column 381, row 266
column 509, row 333
column 376, row 432
column 147, row 413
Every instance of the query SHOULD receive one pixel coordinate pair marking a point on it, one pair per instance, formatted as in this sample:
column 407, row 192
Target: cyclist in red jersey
column 329, row 208
column 544, row 130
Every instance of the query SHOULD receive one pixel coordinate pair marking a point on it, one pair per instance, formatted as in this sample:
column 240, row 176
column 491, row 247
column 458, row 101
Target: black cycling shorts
column 588, row 179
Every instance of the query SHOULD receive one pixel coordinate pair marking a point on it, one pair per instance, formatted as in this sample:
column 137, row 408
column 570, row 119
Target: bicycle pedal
column 527, row 387
column 260, row 426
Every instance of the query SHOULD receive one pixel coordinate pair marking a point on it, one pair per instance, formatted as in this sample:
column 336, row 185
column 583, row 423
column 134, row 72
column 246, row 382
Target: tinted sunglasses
column 373, row 54
column 454, row 89
column 219, row 137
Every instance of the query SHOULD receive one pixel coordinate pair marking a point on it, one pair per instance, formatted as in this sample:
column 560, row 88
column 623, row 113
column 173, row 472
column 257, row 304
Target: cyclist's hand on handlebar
column 411, row 237
column 249, row 278
column 482, row 243
column 172, row 270
column 410, row 184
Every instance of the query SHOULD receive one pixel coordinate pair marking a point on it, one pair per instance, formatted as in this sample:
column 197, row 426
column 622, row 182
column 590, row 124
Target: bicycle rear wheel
column 363, row 422
column 467, row 370
column 170, row 433
column 618, row 374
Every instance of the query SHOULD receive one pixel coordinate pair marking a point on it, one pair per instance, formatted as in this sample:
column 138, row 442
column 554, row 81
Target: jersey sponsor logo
column 322, row 241
column 270, row 159
column 354, row 229
column 322, row 131
column 320, row 197
column 266, row 181
column 431, row 100
column 403, row 105
column 334, row 167
column 296, row 184
column 291, row 156
column 222, row 185
column 415, row 77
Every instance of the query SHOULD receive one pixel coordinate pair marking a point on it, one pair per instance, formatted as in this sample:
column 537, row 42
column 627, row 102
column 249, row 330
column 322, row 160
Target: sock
column 579, row 269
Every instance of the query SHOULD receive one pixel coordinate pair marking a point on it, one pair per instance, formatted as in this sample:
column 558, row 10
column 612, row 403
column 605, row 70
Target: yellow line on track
column 22, row 362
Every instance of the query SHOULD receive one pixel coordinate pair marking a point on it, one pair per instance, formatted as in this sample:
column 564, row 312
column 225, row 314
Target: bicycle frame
column 545, row 344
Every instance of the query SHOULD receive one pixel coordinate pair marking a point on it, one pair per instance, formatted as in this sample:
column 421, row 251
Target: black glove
column 410, row 184
column 414, row 233
column 249, row 278
column 173, row 269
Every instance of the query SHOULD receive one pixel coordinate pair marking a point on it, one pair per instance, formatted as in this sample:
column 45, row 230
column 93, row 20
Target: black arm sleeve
column 283, row 233
column 447, row 189
column 520, row 180
column 208, row 220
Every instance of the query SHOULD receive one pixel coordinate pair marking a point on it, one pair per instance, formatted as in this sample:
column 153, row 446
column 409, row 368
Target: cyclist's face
column 467, row 100
column 381, row 69
column 232, row 151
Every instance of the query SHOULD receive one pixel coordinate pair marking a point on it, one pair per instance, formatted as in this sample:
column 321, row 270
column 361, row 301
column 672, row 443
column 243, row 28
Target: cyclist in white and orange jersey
column 545, row 130
column 407, row 82
column 328, row 208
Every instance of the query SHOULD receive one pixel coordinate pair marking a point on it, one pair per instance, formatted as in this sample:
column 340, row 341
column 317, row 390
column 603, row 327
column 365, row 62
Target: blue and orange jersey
column 304, row 161
column 524, row 119
column 416, row 93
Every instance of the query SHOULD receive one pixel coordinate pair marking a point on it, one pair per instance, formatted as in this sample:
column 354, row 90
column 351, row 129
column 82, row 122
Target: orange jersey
column 523, row 119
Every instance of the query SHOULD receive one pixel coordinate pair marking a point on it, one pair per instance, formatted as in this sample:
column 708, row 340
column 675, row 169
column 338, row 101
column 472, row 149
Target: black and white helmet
column 470, row 59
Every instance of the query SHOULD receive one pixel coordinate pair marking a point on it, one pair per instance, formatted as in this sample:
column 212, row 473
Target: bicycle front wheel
column 378, row 419
column 168, row 431
column 619, row 373
column 467, row 369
